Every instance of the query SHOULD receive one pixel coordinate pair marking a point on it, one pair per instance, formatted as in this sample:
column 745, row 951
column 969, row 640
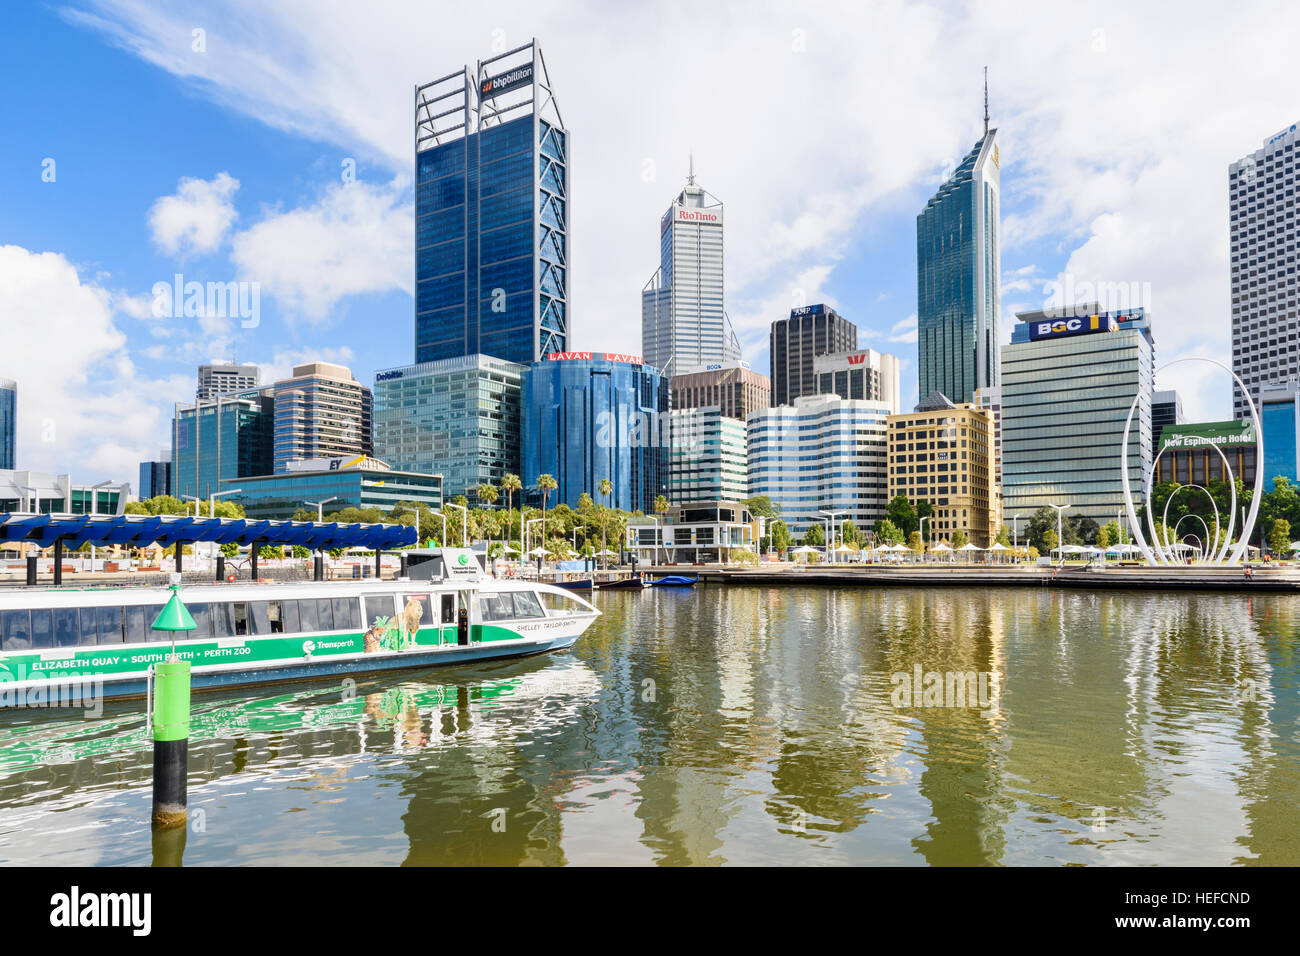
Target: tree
column 1104, row 534
column 814, row 537
column 959, row 539
column 510, row 484
column 1049, row 540
column 1279, row 538
column 902, row 514
column 661, row 505
column 778, row 535
column 760, row 506
column 546, row 484
column 889, row 533
column 849, row 532
column 1003, row 537
column 914, row 541
column 606, row 488
column 229, row 549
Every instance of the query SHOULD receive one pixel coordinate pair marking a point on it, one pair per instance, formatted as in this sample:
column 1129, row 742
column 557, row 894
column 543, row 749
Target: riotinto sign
column 1074, row 325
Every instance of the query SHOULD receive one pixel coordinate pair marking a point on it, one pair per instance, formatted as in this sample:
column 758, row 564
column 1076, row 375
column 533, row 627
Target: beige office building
column 943, row 453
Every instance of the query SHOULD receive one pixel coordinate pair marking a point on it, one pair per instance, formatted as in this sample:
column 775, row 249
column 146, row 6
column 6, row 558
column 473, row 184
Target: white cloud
column 357, row 238
column 81, row 404
column 904, row 330
column 196, row 218
column 1115, row 128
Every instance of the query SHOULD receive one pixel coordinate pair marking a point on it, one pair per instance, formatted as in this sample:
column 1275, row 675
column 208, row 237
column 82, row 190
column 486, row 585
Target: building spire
column 690, row 176
column 986, row 101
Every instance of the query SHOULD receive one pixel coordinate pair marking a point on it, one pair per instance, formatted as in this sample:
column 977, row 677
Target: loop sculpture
column 1162, row 552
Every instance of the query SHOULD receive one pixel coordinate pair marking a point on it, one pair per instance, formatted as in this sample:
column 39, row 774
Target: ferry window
column 202, row 614
column 223, row 624
column 66, row 631
column 426, row 613
column 42, row 628
column 527, row 605
column 324, row 614
column 240, row 619
column 15, row 630
column 449, row 609
column 289, row 622
column 259, row 617
column 109, row 620
column 346, row 613
column 310, row 621
column 496, row 607
column 378, row 605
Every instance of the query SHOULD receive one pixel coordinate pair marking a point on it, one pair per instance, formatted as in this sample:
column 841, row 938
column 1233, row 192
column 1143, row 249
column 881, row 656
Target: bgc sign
column 1075, row 325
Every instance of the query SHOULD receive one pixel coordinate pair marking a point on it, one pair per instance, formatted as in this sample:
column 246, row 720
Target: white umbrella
column 536, row 551
column 804, row 549
column 998, row 546
column 845, row 547
column 968, row 546
column 606, row 554
column 941, row 546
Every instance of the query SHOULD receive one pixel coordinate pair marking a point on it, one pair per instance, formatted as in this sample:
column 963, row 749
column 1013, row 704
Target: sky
column 271, row 146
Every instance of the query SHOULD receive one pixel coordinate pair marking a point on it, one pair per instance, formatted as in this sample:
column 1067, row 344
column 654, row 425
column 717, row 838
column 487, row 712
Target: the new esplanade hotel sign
column 1223, row 434
column 1080, row 324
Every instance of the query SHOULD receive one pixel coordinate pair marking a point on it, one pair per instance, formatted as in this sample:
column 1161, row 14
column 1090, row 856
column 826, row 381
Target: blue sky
column 824, row 128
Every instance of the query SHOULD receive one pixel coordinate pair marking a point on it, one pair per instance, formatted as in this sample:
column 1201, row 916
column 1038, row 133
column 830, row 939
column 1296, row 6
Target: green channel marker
column 171, row 742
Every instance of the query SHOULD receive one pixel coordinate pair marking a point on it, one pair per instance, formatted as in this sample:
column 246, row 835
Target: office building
column 868, row 375
column 810, row 331
column 1187, row 454
column 693, row 533
column 943, row 454
column 593, row 416
column 459, row 417
column 735, row 389
column 1262, row 239
column 1166, row 409
column 491, row 212
column 990, row 400
column 321, row 412
column 8, row 423
column 684, row 325
column 224, row 378
column 230, row 436
column 958, row 263
column 707, row 461
column 36, row 492
column 351, row 482
column 823, row 453
column 1280, row 419
column 1068, row 381
column 156, row 476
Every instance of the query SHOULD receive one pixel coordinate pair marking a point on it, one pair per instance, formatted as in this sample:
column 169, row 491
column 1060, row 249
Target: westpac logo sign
column 1076, row 325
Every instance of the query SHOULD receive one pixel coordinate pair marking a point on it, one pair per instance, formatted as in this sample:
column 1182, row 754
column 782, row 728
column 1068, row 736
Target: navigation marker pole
column 171, row 719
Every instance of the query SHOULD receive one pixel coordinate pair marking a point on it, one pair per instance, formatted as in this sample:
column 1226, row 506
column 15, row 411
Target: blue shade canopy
column 143, row 530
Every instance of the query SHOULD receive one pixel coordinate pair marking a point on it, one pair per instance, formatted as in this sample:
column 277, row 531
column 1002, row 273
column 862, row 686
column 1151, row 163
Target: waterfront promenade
column 1128, row 577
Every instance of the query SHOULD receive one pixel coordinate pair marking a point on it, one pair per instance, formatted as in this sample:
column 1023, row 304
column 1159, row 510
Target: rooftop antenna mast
column 986, row 101
column 690, row 176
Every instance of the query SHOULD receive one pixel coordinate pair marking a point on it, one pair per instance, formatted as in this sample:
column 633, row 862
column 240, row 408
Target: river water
column 734, row 725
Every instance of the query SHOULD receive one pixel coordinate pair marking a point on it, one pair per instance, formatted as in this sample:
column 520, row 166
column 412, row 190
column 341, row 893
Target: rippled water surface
column 741, row 725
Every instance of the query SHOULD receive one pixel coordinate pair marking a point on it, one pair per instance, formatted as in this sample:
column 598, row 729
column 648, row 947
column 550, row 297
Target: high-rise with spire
column 958, row 262
column 684, row 326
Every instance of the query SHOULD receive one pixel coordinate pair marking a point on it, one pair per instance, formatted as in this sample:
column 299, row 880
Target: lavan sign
column 590, row 356
column 1076, row 325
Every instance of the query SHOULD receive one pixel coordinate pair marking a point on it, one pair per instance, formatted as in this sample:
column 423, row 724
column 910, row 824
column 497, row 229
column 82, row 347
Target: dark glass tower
column 810, row 331
column 957, row 263
column 8, row 422
column 491, row 213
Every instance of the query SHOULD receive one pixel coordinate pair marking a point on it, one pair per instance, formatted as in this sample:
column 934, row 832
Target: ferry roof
column 143, row 530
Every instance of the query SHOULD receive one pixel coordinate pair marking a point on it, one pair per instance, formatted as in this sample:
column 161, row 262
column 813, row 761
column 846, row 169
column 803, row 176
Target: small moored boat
column 675, row 581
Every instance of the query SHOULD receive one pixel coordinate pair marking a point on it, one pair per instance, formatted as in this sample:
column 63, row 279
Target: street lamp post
column 464, row 522
column 1015, row 532
column 828, row 519
column 1059, row 540
column 442, row 542
column 924, row 518
column 320, row 508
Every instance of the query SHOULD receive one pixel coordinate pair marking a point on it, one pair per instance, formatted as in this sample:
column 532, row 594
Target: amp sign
column 1075, row 325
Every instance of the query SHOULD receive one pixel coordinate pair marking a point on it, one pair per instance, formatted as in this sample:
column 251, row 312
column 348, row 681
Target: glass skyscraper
column 229, row 437
column 491, row 212
column 1068, row 382
column 457, row 417
column 795, row 343
column 1281, row 426
column 957, row 265
column 8, row 422
column 589, row 416
column 684, row 326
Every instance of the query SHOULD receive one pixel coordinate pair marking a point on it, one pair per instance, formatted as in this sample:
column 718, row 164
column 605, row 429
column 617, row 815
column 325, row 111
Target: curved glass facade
column 585, row 420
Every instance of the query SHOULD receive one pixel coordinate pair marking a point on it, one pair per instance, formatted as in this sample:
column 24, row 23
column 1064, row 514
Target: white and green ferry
column 59, row 638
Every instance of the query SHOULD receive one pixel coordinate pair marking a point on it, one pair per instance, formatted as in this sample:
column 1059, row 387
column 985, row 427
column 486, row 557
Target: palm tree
column 487, row 492
column 606, row 488
column 546, row 484
column 510, row 484
column 661, row 507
